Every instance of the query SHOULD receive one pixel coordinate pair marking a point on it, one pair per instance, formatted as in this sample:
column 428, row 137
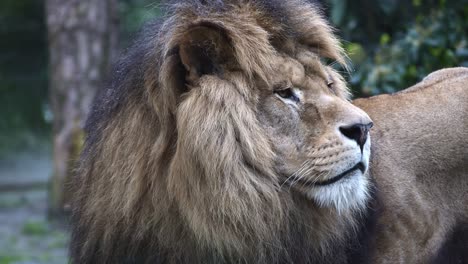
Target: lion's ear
column 205, row 49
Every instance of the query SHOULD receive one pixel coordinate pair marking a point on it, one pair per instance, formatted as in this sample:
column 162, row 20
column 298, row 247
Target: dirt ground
column 26, row 235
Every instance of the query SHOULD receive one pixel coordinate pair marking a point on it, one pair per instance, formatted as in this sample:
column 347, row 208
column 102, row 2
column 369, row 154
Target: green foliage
column 35, row 228
column 433, row 37
column 11, row 259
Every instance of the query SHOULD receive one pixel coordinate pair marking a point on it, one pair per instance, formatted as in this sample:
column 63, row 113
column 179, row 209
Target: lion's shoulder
column 439, row 78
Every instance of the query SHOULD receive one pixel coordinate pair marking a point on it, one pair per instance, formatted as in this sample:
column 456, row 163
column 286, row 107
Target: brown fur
column 193, row 157
column 420, row 164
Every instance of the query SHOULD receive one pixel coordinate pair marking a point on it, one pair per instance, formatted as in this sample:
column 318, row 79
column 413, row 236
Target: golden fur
column 212, row 142
column 420, row 166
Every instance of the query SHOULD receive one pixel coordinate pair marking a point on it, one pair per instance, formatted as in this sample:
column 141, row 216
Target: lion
column 226, row 137
column 419, row 165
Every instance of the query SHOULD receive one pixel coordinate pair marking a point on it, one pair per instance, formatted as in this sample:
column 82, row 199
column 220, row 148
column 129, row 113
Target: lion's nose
column 357, row 132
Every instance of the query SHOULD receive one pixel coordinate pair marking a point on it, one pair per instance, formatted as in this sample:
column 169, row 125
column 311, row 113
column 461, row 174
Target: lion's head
column 225, row 138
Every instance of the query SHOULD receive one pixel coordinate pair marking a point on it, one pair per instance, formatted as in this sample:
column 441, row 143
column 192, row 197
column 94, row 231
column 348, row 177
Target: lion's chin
column 350, row 194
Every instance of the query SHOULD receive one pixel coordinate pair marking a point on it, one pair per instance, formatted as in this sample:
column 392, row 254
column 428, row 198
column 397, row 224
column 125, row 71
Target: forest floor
column 26, row 234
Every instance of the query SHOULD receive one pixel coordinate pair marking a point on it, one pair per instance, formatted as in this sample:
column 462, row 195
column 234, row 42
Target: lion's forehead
column 299, row 72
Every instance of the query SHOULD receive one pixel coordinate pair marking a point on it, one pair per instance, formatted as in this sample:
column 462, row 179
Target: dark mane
column 127, row 73
column 123, row 210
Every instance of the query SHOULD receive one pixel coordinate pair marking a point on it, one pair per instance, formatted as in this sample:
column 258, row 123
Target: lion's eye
column 287, row 94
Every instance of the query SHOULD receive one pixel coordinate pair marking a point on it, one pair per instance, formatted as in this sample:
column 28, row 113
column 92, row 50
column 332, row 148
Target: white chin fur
column 347, row 194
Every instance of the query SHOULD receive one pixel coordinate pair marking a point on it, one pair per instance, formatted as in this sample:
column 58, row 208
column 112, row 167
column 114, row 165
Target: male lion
column 224, row 138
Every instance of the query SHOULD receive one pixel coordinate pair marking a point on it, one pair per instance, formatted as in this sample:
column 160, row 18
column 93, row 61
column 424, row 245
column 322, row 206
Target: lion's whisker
column 294, row 174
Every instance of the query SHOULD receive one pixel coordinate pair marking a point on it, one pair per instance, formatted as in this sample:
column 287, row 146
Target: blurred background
column 55, row 55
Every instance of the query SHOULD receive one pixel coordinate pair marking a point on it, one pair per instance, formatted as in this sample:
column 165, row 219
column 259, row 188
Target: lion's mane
column 170, row 178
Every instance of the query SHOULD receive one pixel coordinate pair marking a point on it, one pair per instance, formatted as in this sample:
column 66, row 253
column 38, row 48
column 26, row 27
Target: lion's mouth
column 359, row 166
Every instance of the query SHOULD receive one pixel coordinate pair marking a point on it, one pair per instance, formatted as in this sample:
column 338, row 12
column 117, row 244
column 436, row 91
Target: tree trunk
column 82, row 43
